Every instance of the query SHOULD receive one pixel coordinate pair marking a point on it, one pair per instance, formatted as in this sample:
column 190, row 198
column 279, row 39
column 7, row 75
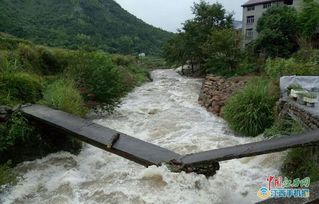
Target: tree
column 309, row 18
column 212, row 16
column 208, row 18
column 188, row 44
column 278, row 29
column 174, row 50
column 223, row 51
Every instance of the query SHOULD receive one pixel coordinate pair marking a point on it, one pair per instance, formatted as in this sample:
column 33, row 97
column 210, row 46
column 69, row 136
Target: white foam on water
column 164, row 112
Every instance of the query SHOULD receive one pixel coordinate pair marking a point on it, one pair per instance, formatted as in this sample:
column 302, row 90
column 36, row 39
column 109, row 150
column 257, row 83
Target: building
column 253, row 10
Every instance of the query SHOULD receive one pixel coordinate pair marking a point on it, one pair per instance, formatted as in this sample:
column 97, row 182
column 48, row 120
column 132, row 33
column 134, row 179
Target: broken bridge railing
column 148, row 154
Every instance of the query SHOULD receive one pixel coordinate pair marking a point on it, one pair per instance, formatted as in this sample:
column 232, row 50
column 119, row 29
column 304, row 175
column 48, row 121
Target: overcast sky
column 169, row 14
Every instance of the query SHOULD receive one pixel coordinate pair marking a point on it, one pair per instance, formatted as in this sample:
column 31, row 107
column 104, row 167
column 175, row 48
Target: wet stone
column 5, row 113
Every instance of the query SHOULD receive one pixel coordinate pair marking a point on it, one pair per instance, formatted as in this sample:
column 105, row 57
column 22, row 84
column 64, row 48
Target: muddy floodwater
column 164, row 112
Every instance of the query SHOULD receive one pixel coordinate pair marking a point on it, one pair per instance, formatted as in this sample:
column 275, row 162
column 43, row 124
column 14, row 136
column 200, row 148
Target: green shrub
column 283, row 126
column 307, row 55
column 17, row 129
column 278, row 67
column 20, row 87
column 6, row 174
column 250, row 111
column 122, row 60
column 4, row 62
column 64, row 96
column 96, row 73
column 29, row 58
column 245, row 68
column 275, row 68
column 49, row 62
column 20, row 142
column 301, row 163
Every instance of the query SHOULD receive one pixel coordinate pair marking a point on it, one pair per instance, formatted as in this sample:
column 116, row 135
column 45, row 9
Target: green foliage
column 277, row 28
column 20, row 87
column 244, row 68
column 20, row 142
column 97, row 74
column 102, row 78
column 309, row 18
column 192, row 43
column 17, row 129
column 283, row 127
column 88, row 25
column 6, row 174
column 122, row 60
column 223, row 51
column 301, row 163
column 175, row 50
column 275, row 68
column 49, row 61
column 9, row 42
column 64, row 96
column 28, row 58
column 25, row 56
column 250, row 111
column 307, row 56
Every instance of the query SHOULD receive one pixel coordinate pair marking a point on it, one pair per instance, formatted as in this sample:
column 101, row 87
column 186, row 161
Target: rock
column 5, row 112
column 216, row 90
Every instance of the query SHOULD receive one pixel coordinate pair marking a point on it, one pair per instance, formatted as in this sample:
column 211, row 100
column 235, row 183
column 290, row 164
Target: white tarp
column 306, row 82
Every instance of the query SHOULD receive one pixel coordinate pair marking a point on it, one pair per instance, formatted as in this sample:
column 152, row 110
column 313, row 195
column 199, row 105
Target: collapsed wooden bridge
column 147, row 154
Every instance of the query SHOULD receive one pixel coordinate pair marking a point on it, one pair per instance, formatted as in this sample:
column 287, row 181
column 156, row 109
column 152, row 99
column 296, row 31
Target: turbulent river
column 164, row 112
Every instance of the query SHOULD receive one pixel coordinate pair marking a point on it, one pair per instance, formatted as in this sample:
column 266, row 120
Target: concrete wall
column 257, row 13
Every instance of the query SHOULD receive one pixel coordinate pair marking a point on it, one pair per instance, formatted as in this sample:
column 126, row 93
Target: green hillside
column 73, row 24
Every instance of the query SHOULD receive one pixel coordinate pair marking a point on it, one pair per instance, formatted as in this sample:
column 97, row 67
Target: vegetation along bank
column 74, row 81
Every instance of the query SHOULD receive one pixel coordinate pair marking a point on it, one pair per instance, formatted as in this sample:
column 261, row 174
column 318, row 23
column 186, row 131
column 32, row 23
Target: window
column 289, row 2
column 249, row 33
column 250, row 19
column 250, row 8
column 267, row 5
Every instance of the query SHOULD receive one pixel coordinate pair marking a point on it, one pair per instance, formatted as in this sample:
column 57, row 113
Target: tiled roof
column 254, row 2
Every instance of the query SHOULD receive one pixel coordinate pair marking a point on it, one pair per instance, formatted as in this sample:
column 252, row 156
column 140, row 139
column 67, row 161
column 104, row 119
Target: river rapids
column 164, row 112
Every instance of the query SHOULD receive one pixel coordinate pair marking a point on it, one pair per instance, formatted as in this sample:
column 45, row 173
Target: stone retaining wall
column 307, row 116
column 216, row 90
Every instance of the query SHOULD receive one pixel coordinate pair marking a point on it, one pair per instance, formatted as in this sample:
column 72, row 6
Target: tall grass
column 6, row 174
column 275, row 68
column 63, row 95
column 301, row 163
column 250, row 111
column 20, row 87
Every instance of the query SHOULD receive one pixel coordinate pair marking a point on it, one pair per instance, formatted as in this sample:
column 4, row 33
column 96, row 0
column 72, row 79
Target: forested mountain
column 101, row 24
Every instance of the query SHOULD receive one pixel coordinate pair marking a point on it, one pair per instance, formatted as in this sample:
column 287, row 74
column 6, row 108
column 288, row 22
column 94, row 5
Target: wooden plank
column 102, row 137
column 253, row 149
